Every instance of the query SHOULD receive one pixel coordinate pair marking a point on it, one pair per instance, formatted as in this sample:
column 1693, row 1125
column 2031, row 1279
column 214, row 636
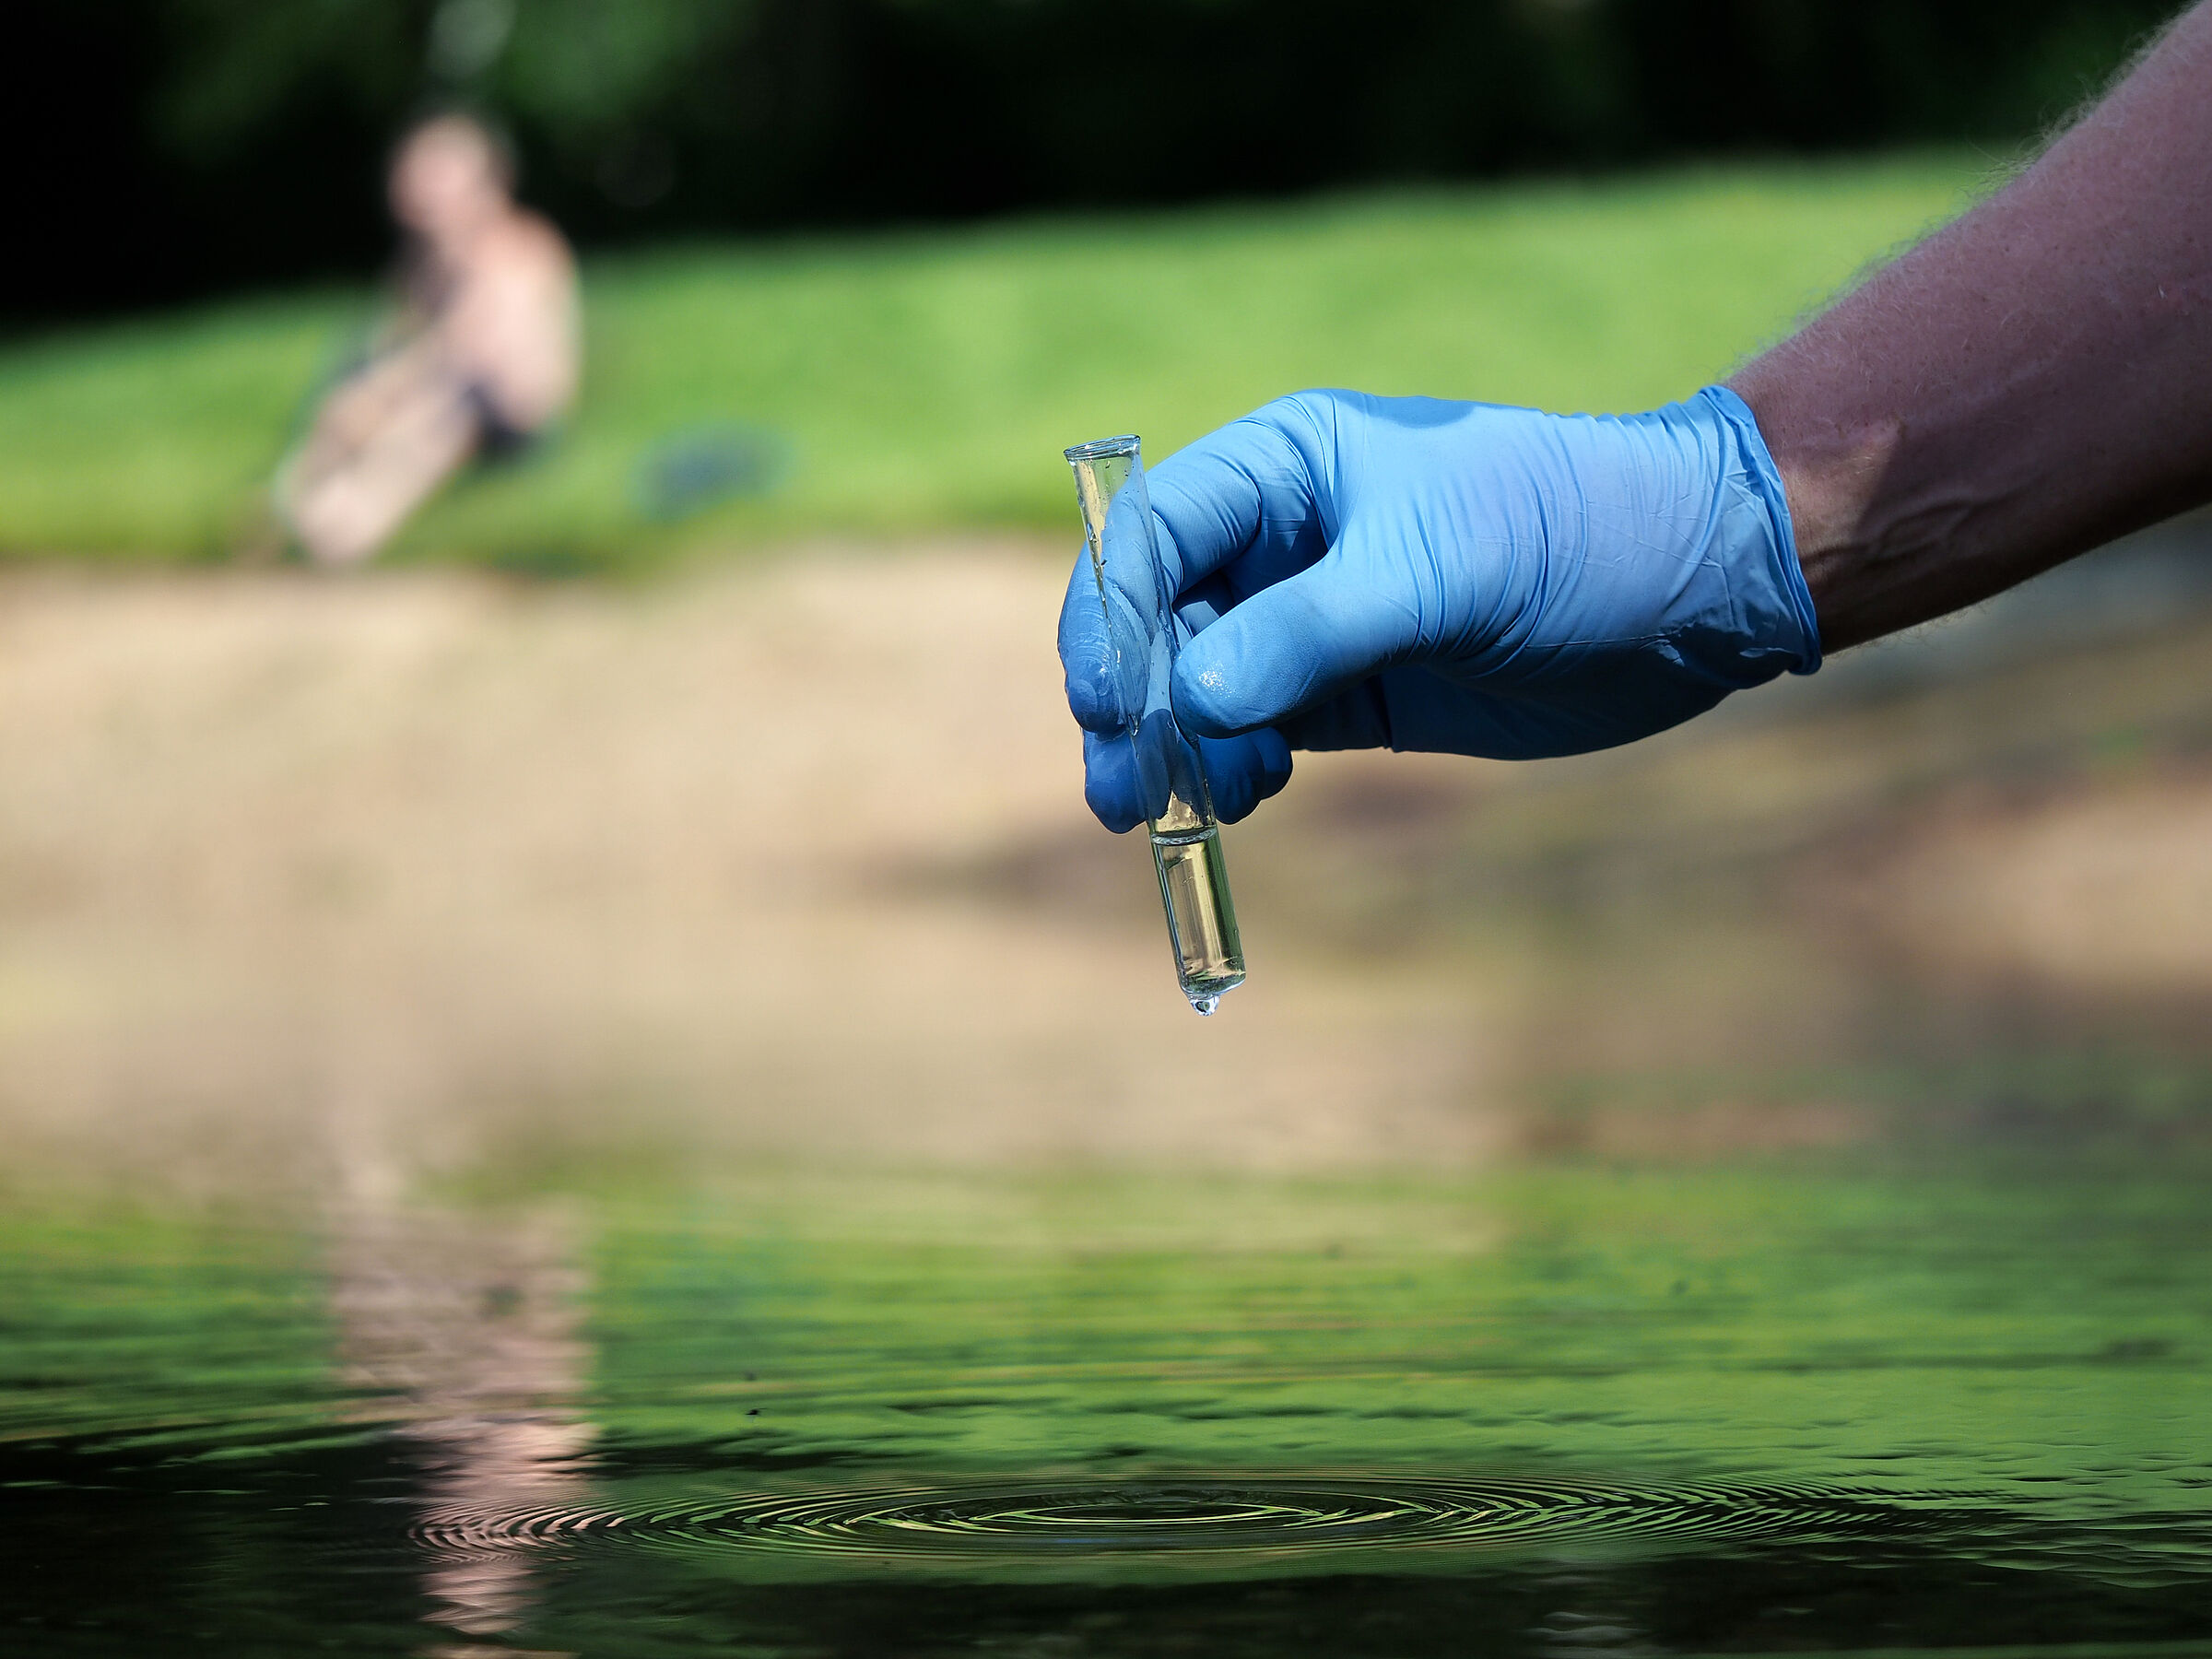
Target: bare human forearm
column 2030, row 382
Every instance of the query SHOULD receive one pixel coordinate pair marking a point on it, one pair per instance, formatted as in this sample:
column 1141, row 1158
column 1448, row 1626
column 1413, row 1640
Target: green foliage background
column 925, row 381
column 191, row 145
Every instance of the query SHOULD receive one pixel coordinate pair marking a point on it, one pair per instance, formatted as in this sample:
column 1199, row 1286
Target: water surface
column 1774, row 1407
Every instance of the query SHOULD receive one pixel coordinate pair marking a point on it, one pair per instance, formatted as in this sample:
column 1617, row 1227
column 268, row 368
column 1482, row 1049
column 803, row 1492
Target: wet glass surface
column 1567, row 1410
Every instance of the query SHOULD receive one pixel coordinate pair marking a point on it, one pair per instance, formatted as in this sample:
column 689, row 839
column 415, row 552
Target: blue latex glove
column 1400, row 572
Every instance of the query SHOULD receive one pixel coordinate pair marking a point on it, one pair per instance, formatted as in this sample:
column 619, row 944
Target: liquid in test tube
column 1138, row 603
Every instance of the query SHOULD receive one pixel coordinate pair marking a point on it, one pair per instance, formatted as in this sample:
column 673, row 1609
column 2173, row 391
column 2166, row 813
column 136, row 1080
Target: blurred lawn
column 929, row 380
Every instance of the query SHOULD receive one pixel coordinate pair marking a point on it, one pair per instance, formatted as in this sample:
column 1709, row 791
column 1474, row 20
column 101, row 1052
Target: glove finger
column 1248, row 486
column 1242, row 771
column 1111, row 788
column 1086, row 654
column 1295, row 644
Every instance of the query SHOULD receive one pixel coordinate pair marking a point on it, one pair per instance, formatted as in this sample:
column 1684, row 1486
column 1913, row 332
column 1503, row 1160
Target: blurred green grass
column 926, row 380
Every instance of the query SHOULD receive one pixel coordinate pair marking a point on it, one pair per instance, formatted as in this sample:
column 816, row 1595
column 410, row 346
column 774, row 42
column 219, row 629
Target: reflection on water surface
column 1755, row 1409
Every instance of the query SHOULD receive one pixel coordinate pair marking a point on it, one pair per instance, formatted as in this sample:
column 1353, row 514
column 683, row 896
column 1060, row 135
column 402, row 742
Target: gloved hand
column 1469, row 579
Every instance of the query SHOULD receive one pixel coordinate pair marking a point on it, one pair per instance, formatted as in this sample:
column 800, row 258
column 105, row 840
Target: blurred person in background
column 479, row 359
column 2029, row 382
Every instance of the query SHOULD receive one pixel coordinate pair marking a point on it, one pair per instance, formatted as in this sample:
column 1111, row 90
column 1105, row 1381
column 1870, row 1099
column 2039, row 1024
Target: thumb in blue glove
column 1460, row 578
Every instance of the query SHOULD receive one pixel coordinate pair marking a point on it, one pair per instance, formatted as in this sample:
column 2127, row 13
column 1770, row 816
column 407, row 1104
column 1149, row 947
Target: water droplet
column 1204, row 1005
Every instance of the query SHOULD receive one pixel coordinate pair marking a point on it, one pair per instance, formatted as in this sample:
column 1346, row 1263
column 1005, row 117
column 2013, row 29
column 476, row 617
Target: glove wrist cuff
column 1762, row 479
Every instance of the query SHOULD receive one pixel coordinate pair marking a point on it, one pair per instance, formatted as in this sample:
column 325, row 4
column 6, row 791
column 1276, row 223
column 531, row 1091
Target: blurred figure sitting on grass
column 478, row 360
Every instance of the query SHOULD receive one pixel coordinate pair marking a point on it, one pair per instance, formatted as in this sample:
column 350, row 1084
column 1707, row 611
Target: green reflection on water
column 1777, row 1322
column 1768, row 1325
column 2021, row 1349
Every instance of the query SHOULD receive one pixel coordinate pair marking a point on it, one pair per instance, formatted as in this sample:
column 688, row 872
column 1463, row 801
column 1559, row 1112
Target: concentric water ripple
column 1193, row 1517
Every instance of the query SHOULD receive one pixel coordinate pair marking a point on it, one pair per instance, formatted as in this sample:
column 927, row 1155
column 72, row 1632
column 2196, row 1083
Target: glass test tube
column 1139, row 608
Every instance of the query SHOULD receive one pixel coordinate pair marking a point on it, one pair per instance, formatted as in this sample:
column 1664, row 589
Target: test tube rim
column 1103, row 449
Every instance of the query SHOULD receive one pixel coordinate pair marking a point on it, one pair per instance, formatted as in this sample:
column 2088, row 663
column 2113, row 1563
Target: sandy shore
column 788, row 858
column 296, row 870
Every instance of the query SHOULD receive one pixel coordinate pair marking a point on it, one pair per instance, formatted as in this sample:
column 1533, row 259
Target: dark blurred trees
column 162, row 147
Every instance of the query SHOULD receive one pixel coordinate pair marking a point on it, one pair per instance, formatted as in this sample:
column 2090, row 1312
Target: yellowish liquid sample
column 1202, row 921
